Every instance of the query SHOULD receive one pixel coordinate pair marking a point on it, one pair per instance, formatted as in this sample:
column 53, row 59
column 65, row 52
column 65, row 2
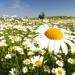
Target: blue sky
column 32, row 8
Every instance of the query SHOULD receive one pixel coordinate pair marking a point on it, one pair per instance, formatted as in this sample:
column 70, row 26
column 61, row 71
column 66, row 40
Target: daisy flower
column 14, row 38
column 59, row 71
column 54, row 39
column 25, row 70
column 26, row 61
column 13, row 71
column 71, row 60
column 59, row 63
column 46, row 69
column 8, row 56
column 37, row 61
column 73, row 74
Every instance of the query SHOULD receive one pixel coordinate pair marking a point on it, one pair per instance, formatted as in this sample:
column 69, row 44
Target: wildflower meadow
column 32, row 46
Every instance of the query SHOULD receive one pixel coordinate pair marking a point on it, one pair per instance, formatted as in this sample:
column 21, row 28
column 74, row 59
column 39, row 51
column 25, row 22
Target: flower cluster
column 36, row 50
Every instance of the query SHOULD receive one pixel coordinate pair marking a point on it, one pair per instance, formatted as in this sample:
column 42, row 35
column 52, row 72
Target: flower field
column 31, row 46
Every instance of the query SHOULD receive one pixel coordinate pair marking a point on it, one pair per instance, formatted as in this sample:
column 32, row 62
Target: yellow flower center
column 60, row 72
column 45, row 68
column 54, row 34
column 38, row 63
column 72, row 60
column 14, row 38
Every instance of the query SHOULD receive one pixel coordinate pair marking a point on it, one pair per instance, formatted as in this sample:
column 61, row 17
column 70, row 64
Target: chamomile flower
column 73, row 74
column 3, row 43
column 26, row 62
column 58, row 71
column 54, row 39
column 8, row 56
column 28, row 44
column 37, row 61
column 46, row 69
column 59, row 63
column 25, row 69
column 30, row 53
column 15, row 38
column 18, row 49
column 71, row 60
column 13, row 71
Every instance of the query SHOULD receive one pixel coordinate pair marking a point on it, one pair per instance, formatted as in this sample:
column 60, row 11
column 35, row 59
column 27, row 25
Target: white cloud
column 17, row 7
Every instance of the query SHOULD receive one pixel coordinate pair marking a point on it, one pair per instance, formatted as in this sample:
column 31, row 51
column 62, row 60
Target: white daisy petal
column 64, row 47
column 51, row 45
column 42, row 28
column 43, row 42
column 43, row 45
column 70, row 44
column 46, row 26
column 41, row 58
column 57, row 46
